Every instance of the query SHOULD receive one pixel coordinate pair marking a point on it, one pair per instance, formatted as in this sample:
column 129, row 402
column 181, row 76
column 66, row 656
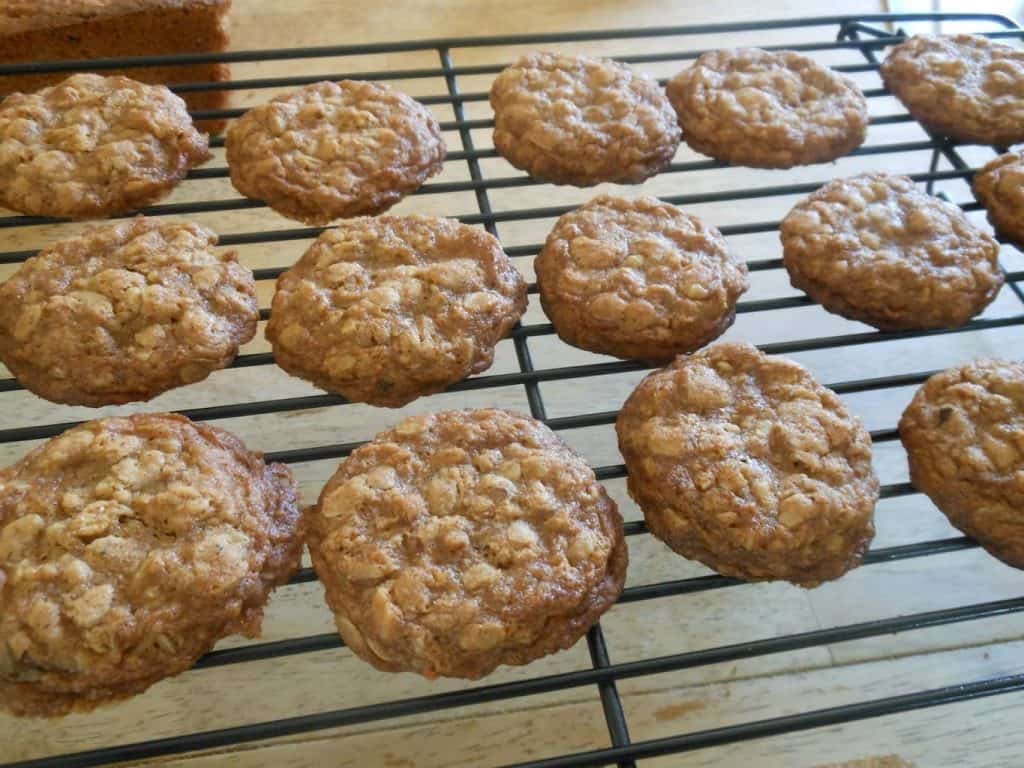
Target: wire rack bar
column 676, row 588
column 478, row 184
column 523, row 377
column 610, row 703
column 491, row 41
column 760, row 729
column 857, row 33
column 540, row 685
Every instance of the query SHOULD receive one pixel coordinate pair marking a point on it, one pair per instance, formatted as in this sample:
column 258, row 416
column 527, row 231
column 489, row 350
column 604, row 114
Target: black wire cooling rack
column 867, row 36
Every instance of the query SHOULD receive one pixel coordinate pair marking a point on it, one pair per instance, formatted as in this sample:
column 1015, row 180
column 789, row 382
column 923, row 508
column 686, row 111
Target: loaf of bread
column 50, row 30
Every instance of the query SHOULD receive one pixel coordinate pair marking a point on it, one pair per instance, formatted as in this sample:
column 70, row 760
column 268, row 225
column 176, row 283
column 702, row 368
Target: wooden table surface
column 981, row 732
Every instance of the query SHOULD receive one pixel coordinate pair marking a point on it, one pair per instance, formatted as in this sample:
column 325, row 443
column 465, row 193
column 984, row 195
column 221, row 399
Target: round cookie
column 768, row 109
column 999, row 186
column 746, row 463
column 582, row 121
column 383, row 310
column 462, row 540
column 873, row 248
column 333, row 150
column 966, row 87
column 638, row 279
column 91, row 146
column 128, row 548
column 125, row 311
column 964, row 435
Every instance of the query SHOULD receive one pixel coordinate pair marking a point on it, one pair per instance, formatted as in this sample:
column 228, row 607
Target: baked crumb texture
column 125, row 311
column 383, row 310
column 582, row 121
column 128, row 547
column 746, row 463
column 964, row 435
column 999, row 186
column 92, row 146
column 966, row 87
column 334, row 150
column 638, row 278
column 462, row 540
column 768, row 109
column 873, row 248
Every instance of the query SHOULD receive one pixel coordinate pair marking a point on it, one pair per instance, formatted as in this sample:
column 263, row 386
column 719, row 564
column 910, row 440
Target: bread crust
column 55, row 30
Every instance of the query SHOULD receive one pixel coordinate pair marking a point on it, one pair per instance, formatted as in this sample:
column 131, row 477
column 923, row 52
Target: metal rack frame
column 860, row 33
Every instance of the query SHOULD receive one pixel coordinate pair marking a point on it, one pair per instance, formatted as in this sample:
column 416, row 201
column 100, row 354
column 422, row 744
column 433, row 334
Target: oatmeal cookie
column 125, row 311
column 875, row 249
column 128, row 547
column 999, row 186
column 964, row 435
column 91, row 146
column 746, row 463
column 383, row 310
column 966, row 87
column 638, row 279
column 462, row 540
column 768, row 109
column 583, row 121
column 333, row 150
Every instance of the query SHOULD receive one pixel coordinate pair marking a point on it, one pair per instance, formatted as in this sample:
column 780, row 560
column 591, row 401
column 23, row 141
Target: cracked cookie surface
column 964, row 86
column 964, row 435
column 582, row 121
column 999, row 186
column 383, row 310
column 746, row 463
column 91, row 146
column 334, row 150
column 873, row 248
column 768, row 109
column 125, row 311
column 462, row 540
column 638, row 278
column 128, row 547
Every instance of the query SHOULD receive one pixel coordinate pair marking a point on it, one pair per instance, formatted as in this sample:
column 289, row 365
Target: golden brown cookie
column 873, row 248
column 964, row 435
column 768, row 109
column 128, row 547
column 579, row 120
column 638, row 279
column 333, row 150
column 91, row 146
column 966, row 87
column 383, row 310
column 462, row 540
column 125, row 311
column 746, row 463
column 999, row 186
